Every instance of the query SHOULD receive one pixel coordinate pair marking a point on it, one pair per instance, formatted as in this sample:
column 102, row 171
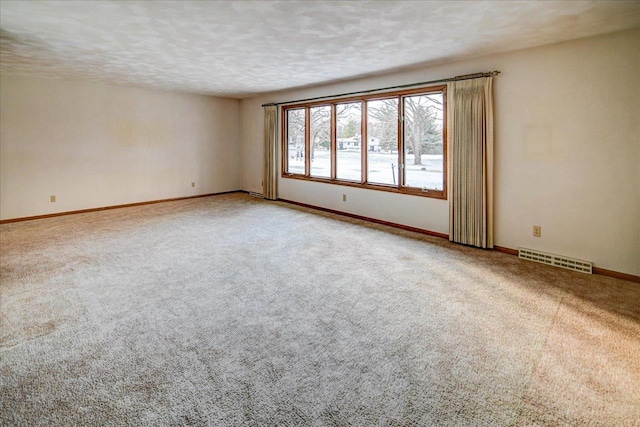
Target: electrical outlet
column 53, row 199
column 344, row 197
column 537, row 231
column 193, row 184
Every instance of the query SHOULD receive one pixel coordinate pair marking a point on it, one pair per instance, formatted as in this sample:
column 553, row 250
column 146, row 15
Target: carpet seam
column 537, row 360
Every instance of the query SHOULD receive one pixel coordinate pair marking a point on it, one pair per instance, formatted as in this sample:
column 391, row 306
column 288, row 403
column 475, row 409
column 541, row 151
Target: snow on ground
column 383, row 168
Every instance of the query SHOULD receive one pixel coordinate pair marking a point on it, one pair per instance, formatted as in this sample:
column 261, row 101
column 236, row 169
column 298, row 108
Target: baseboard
column 616, row 274
column 104, row 208
column 506, row 250
column 374, row 220
column 595, row 270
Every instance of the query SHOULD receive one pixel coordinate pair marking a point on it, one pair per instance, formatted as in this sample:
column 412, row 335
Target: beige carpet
column 230, row 310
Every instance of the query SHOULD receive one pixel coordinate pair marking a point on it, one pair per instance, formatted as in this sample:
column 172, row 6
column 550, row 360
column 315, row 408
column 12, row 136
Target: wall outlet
column 193, row 184
column 344, row 197
column 537, row 231
column 53, row 199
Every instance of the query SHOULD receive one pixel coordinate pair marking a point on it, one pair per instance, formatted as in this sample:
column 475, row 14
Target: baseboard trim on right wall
column 616, row 274
column 506, row 250
column 596, row 270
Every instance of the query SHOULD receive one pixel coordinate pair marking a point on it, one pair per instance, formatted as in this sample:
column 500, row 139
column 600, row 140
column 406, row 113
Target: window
column 423, row 142
column 382, row 141
column 295, row 147
column 320, row 135
column 348, row 137
column 391, row 142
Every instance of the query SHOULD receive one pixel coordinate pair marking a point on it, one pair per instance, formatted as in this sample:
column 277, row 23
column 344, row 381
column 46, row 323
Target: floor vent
column 555, row 260
column 254, row 194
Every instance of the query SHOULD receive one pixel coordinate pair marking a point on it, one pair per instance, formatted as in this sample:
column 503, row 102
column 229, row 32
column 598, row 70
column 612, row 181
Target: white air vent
column 555, row 260
column 254, row 194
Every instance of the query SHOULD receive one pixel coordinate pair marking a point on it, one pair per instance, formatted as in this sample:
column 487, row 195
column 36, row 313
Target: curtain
column 471, row 162
column 269, row 189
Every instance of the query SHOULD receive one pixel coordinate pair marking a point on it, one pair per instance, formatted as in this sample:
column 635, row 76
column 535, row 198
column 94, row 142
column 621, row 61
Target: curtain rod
column 362, row 92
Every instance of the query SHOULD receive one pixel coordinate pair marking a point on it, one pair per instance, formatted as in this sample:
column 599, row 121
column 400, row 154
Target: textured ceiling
column 240, row 48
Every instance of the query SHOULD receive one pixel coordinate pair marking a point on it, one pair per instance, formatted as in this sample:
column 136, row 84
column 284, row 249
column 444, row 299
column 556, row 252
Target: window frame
column 285, row 142
column 399, row 187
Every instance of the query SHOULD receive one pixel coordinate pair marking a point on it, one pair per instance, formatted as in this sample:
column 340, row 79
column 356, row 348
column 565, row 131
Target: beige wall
column 96, row 145
column 567, row 151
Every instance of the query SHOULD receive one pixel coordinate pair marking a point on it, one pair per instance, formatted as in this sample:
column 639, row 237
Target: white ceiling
column 241, row 48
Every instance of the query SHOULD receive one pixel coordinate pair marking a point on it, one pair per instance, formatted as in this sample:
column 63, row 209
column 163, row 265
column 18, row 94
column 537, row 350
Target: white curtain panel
column 470, row 128
column 270, row 152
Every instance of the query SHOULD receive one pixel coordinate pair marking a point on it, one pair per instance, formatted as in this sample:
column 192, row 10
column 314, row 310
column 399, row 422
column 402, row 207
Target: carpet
column 234, row 311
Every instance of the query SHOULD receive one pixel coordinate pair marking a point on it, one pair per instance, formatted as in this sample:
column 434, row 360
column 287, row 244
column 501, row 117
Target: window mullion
column 364, row 141
column 285, row 142
column 401, row 156
column 334, row 143
column 307, row 141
